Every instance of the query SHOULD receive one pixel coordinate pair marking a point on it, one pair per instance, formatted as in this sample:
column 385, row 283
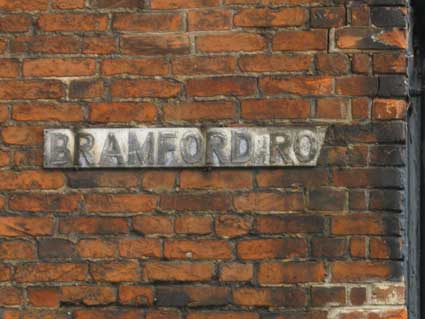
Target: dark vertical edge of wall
column 414, row 258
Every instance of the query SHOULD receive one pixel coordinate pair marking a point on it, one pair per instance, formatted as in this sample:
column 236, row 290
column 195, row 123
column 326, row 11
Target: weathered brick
column 58, row 67
column 223, row 315
column 136, row 295
column 285, row 17
column 113, row 67
column 53, row 248
column 230, row 226
column 203, row 65
column 230, row 42
column 197, row 250
column 207, row 20
column 120, row 203
column 96, row 248
column 365, row 224
column 139, row 248
column 68, row 4
column 293, row 297
column 196, row 202
column 300, row 40
column 45, row 203
column 180, row 4
column 235, row 272
column 112, row 4
column 147, row 22
column 99, row 45
column 365, row 271
column 332, row 108
column 31, row 179
column 17, row 250
column 385, row 248
column 322, row 296
column 122, row 112
column 44, row 297
column 107, row 314
column 334, row 63
column 45, row 272
column 327, row 17
column 291, row 273
column 145, row 88
column 87, row 295
column 388, row 16
column 271, row 248
column 195, row 225
column 15, row 23
column 86, row 89
column 370, row 39
column 389, row 63
column 73, row 22
column 328, row 247
column 239, row 86
column 275, row 63
column 162, row 271
column 36, row 5
column 192, row 296
column 155, row 45
column 200, row 111
column 153, row 225
column 63, row 112
column 93, row 225
column 218, row 179
column 358, row 296
column 300, row 85
column 10, row 296
column 31, row 90
column 269, row 201
column 102, row 179
column 115, row 271
column 290, row 223
column 275, row 109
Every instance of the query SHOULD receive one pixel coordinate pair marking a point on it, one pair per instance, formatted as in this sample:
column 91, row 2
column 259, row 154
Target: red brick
column 112, row 4
column 180, row 4
column 272, row 248
column 153, row 225
column 386, row 109
column 269, row 201
column 5, row 273
column 323, row 296
column 236, row 272
column 63, row 112
column 102, row 179
column 195, row 202
column 86, row 89
column 45, row 203
column 360, row 108
column 291, row 273
column 26, row 158
column 334, row 63
column 163, row 314
column 73, row 22
column 199, row 111
column 107, row 314
column 31, row 90
column 4, row 113
column 386, row 294
column 51, row 44
column 230, row 226
column 285, row 17
column 203, row 65
column 68, row 4
column 327, row 17
column 165, row 271
column 360, row 15
column 10, row 296
column 300, row 40
column 292, row 297
column 289, row 223
column 159, row 180
column 31, row 180
column 9, row 68
column 300, row 85
column 99, row 45
column 145, row 88
column 163, row 44
column 197, row 250
column 217, row 179
column 239, row 86
column 223, row 315
column 230, row 42
column 200, row 225
column 292, row 178
column 43, row 297
column 88, row 295
column 4, row 161
column 275, row 109
column 134, row 67
column 358, row 247
column 58, row 67
column 208, row 20
column 361, row 63
column 24, row 5
column 22, row 135
column 93, row 225
column 115, row 271
column 369, row 39
column 332, row 108
column 139, row 248
column 147, row 22
column 357, row 86
column 389, row 63
column 365, row 271
column 136, row 295
column 328, row 247
column 364, row 224
column 120, row 203
column 122, row 112
column 275, row 63
column 44, row 272
column 358, row 296
column 17, row 250
column 96, row 248
column 385, row 248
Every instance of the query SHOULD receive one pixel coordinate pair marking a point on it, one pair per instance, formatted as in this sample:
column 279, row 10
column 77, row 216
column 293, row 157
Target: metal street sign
column 182, row 147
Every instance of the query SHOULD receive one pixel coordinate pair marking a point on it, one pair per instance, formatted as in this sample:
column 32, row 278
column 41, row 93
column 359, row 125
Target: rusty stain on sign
column 183, row 147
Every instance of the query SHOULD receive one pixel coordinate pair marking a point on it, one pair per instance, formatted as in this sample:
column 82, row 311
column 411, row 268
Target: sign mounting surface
column 183, row 147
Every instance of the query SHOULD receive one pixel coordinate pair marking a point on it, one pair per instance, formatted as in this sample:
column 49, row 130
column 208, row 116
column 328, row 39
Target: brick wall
column 301, row 243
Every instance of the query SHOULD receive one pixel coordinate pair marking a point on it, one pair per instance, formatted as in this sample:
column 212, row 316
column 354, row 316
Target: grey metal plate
column 183, row 147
